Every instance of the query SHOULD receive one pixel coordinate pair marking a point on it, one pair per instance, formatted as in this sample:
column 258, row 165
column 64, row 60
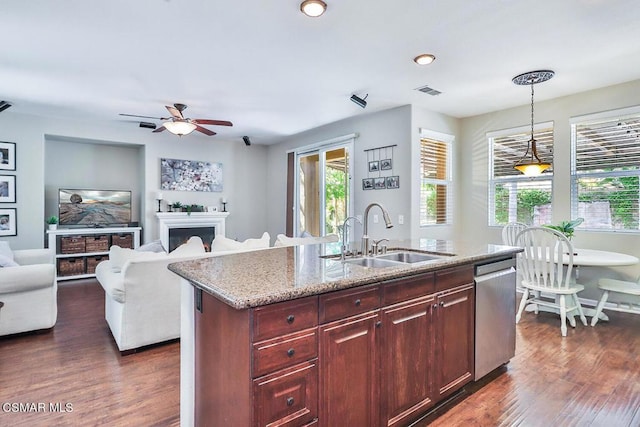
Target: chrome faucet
column 365, row 226
column 343, row 252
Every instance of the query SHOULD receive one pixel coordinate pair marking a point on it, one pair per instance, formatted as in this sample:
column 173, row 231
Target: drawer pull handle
column 358, row 302
column 290, row 318
column 291, row 352
column 441, row 303
column 290, row 401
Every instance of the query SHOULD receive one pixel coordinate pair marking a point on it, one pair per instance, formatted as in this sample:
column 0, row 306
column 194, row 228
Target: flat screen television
column 93, row 207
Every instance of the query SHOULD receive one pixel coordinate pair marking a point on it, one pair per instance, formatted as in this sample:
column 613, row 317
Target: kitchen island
column 293, row 336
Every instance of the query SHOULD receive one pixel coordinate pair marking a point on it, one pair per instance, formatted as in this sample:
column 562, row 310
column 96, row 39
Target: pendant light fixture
column 530, row 164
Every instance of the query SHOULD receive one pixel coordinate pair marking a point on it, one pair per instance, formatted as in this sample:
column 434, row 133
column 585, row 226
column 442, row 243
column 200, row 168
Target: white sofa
column 29, row 292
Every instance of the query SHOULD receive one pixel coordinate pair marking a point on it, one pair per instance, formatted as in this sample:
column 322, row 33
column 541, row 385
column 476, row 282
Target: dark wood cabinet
column 349, row 365
column 407, row 357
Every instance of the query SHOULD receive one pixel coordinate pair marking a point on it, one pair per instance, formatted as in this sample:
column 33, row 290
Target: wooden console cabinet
column 375, row 355
column 83, row 258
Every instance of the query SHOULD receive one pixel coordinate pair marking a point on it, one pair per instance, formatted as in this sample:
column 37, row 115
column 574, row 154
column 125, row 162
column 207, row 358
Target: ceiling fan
column 177, row 124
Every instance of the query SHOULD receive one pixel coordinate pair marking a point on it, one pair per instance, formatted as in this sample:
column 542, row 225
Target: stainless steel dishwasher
column 495, row 314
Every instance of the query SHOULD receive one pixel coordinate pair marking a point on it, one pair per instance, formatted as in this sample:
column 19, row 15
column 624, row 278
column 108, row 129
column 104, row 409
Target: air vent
column 429, row 90
column 4, row 105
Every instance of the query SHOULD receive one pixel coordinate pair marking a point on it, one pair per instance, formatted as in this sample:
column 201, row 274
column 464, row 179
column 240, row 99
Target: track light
column 246, row 140
column 147, row 125
column 4, row 105
column 360, row 101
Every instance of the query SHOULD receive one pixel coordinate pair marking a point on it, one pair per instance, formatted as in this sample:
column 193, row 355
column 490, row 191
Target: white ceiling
column 272, row 71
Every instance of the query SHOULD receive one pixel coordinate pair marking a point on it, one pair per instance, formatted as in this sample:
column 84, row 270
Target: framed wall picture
column 386, row 164
column 378, row 183
column 393, row 181
column 7, row 189
column 367, row 184
column 8, row 222
column 7, row 156
column 190, row 175
column 374, row 166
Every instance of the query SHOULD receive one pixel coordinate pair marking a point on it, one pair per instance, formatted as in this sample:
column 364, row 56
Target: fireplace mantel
column 169, row 220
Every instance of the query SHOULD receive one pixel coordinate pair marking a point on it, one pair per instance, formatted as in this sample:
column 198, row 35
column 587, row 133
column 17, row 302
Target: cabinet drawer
column 452, row 277
column 284, row 318
column 281, row 352
column 398, row 290
column 341, row 304
column 288, row 397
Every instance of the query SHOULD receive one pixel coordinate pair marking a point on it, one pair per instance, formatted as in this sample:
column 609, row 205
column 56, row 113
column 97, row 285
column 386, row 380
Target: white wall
column 395, row 126
column 473, row 173
column 244, row 171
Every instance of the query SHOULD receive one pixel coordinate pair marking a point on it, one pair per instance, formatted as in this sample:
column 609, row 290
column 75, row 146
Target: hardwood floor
column 78, row 363
column 589, row 378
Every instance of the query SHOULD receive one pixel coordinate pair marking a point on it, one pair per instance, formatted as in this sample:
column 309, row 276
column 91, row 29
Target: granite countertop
column 251, row 279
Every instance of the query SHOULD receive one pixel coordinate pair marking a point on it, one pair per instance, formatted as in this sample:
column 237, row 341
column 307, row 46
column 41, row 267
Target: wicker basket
column 93, row 261
column 122, row 240
column 72, row 245
column 71, row 266
column 97, row 243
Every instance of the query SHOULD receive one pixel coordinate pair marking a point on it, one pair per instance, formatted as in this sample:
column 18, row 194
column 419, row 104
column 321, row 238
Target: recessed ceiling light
column 313, row 8
column 424, row 59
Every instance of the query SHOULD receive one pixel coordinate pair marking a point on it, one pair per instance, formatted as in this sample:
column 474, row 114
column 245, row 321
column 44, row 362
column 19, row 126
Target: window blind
column 435, row 188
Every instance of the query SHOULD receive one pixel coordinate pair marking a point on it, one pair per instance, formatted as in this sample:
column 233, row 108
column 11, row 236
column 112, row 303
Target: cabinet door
column 454, row 340
column 348, row 361
column 406, row 361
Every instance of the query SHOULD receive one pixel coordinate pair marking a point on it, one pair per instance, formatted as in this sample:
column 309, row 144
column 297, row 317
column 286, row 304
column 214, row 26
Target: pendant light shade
column 530, row 164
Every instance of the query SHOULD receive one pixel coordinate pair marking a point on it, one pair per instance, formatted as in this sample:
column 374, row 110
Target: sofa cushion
column 221, row 243
column 282, row 240
column 5, row 250
column 5, row 261
column 194, row 246
column 119, row 256
column 155, row 246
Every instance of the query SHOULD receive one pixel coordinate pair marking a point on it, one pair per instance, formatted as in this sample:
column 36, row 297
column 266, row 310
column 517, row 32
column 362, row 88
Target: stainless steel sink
column 409, row 257
column 372, row 262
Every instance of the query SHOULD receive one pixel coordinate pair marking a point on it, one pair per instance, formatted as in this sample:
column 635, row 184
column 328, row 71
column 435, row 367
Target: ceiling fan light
column 424, row 59
column 313, row 8
column 179, row 128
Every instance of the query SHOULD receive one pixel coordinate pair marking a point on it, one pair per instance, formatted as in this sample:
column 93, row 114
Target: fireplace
column 175, row 228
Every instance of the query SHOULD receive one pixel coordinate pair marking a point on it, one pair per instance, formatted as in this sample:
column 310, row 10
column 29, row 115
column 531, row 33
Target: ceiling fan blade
column 174, row 112
column 205, row 130
column 144, row 117
column 212, row 122
column 160, row 129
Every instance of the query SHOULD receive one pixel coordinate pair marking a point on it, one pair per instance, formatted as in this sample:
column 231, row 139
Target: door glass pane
column 309, row 194
column 336, row 190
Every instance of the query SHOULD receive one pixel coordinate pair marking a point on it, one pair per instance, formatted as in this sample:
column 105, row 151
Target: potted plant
column 53, row 222
column 177, row 206
column 566, row 227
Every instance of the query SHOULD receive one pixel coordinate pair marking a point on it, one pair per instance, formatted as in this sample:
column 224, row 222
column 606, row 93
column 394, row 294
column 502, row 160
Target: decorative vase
column 53, row 226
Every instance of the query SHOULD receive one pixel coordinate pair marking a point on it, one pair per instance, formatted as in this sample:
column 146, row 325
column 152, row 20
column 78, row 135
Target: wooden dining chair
column 510, row 232
column 547, row 263
column 620, row 287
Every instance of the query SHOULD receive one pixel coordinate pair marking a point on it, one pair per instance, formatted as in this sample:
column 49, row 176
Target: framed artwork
column 190, row 175
column 8, row 222
column 386, row 164
column 7, row 189
column 374, row 166
column 378, row 183
column 393, row 181
column 367, row 184
column 7, row 156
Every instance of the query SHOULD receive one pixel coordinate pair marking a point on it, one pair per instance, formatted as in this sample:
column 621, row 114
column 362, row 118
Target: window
column 605, row 170
column 513, row 196
column 435, row 178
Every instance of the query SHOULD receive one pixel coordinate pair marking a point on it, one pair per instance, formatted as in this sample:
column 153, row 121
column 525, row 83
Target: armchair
column 29, row 292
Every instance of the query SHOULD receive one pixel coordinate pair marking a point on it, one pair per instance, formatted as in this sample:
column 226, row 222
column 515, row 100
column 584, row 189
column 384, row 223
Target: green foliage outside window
column 527, row 200
column 622, row 195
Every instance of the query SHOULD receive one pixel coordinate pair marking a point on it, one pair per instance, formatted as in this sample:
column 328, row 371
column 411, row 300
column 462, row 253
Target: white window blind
column 435, row 182
column 605, row 172
column 513, row 196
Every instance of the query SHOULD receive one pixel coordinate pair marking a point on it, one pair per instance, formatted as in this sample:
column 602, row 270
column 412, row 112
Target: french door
column 323, row 189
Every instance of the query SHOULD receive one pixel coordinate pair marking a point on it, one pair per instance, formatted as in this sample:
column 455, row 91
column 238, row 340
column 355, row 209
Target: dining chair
column 547, row 263
column 620, row 287
column 510, row 232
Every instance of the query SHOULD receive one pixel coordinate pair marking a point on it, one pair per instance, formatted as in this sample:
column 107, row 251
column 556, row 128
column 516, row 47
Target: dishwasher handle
column 488, row 268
